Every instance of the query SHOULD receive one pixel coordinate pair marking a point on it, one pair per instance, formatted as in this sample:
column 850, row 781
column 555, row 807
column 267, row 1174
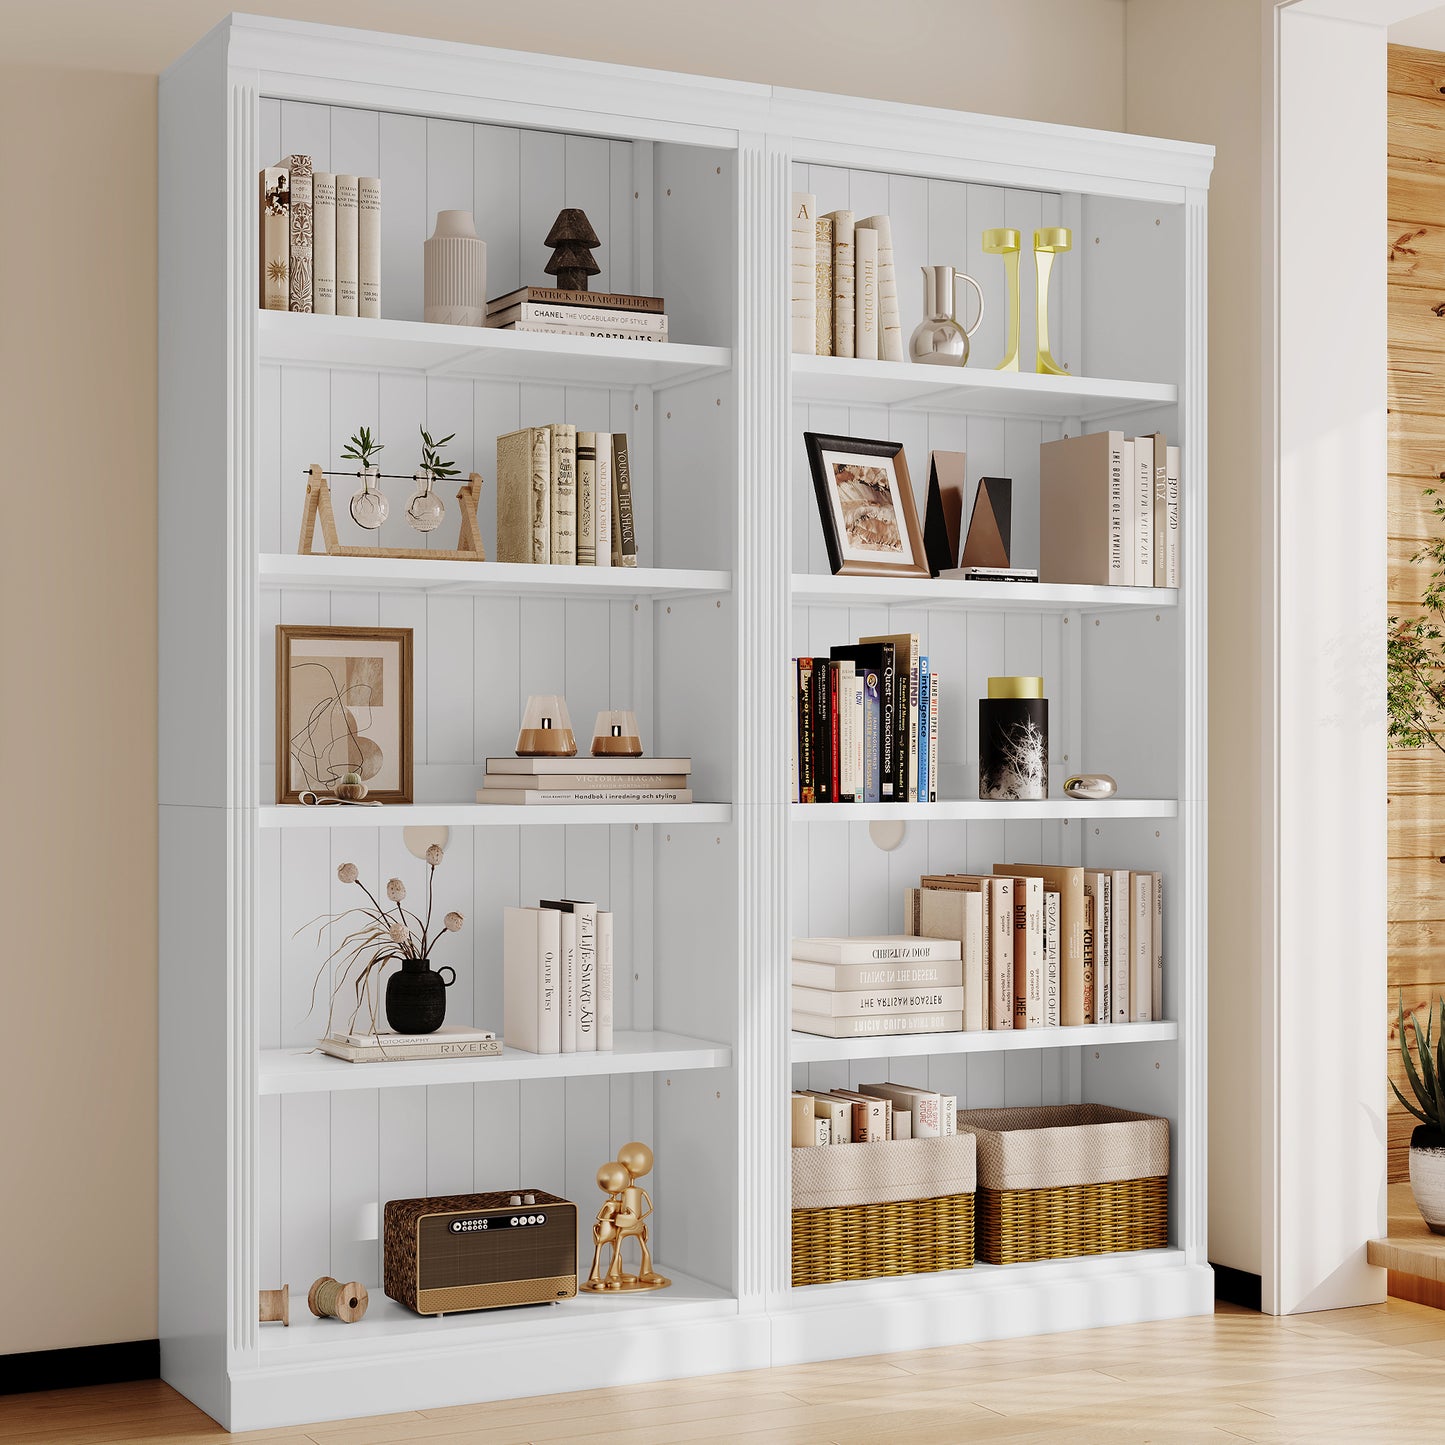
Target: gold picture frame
column 865, row 504
column 343, row 705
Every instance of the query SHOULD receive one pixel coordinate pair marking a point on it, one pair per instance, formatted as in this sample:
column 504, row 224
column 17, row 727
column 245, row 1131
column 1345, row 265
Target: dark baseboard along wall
column 87, row 1365
column 1237, row 1286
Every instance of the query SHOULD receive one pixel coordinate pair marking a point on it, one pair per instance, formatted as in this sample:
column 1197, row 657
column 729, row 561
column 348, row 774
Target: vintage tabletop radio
column 480, row 1251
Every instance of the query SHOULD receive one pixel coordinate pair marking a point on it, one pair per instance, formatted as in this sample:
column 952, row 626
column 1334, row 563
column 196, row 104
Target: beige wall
column 77, row 408
column 1216, row 98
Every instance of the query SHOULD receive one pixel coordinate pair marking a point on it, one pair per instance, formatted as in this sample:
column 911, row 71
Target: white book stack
column 564, row 782
column 557, row 977
column 865, row 987
column 618, row 316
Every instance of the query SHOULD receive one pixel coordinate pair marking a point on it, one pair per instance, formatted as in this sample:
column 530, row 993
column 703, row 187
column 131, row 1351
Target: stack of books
column 564, row 497
column 557, row 978
column 1045, row 946
column 845, row 292
column 871, row 1114
column 858, row 987
column 1109, row 510
column 866, row 724
column 580, row 313
column 540, row 782
column 320, row 240
column 451, row 1041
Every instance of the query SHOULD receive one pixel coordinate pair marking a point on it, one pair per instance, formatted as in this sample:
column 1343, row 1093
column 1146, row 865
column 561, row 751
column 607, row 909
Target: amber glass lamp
column 614, row 735
column 546, row 728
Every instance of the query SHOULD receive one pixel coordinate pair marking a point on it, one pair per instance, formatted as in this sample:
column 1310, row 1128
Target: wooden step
column 1412, row 1255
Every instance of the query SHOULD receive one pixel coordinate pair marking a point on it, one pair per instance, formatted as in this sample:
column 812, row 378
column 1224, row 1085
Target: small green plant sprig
column 1427, row 1082
column 1415, row 658
column 361, row 448
column 432, row 461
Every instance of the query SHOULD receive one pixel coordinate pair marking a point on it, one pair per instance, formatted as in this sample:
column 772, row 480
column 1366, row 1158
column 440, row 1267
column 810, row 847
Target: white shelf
column 996, row 393
column 388, row 1326
column 813, row 1049
column 819, row 590
column 491, row 815
column 283, row 570
column 980, row 811
column 307, row 1071
column 479, row 351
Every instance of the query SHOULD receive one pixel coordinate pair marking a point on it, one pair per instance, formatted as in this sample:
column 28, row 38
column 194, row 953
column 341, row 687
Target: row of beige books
column 1109, row 510
column 557, row 977
column 844, row 287
column 320, row 240
column 566, row 782
column 871, row 1114
column 1028, row 946
column 614, row 315
column 564, row 497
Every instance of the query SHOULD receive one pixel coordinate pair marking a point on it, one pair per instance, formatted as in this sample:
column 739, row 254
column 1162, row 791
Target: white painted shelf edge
column 815, row 1049
column 821, row 590
column 308, row 1071
column 495, row 815
column 389, row 1325
column 290, row 571
column 945, row 388
column 479, row 351
column 981, row 810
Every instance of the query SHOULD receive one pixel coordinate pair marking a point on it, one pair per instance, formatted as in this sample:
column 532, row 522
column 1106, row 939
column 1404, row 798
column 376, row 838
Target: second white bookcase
column 276, row 1162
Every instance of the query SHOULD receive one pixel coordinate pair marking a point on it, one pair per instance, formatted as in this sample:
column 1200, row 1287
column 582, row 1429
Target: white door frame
column 1324, row 558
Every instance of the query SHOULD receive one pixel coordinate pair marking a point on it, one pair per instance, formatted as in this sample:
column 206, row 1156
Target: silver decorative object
column 1090, row 786
column 940, row 339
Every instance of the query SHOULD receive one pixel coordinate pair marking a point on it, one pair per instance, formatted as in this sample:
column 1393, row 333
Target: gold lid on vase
column 1016, row 687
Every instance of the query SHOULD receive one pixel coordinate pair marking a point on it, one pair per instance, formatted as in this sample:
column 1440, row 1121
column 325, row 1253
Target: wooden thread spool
column 276, row 1305
column 344, row 1302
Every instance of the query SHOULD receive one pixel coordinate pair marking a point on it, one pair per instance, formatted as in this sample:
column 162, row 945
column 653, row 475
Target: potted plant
column 369, row 508
column 1427, row 1142
column 385, row 933
column 426, row 509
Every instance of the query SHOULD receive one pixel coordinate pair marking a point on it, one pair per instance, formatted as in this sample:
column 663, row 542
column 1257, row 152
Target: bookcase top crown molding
column 300, row 60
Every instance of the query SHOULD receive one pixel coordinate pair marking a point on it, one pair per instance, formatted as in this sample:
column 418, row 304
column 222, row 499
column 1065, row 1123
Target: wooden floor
column 1374, row 1374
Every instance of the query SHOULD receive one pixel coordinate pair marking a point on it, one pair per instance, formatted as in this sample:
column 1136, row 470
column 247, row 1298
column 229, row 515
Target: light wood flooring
column 1362, row 1375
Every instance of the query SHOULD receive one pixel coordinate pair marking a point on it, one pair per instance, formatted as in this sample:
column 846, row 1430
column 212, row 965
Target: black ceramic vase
column 416, row 998
column 1013, row 740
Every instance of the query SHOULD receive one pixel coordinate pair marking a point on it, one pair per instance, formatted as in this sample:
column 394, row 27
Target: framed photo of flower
column 865, row 502
column 343, row 705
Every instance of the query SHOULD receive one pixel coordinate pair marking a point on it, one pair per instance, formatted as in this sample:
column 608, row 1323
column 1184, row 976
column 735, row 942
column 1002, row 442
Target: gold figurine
column 622, row 1216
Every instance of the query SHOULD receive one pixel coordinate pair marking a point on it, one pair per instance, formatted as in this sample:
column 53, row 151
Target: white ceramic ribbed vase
column 456, row 272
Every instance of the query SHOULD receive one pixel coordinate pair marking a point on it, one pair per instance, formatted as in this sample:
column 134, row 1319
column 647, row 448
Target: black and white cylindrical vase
column 1013, row 740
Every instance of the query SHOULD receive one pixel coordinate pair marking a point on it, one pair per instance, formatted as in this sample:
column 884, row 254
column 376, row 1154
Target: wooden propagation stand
column 469, row 546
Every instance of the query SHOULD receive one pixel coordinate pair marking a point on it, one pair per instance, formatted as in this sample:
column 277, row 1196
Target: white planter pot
column 455, row 281
column 1427, row 1183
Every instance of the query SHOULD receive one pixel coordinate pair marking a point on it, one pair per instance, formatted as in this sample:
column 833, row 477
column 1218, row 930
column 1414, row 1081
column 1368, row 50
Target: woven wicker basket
column 1069, row 1179
column 866, row 1211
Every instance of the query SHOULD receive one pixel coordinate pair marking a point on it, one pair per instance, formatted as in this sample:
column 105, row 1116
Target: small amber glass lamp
column 614, row 735
column 546, row 728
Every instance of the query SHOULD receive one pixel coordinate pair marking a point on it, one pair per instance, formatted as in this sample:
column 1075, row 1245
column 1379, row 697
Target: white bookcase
column 275, row 1161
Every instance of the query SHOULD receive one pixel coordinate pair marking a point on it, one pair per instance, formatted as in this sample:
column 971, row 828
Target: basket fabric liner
column 1044, row 1148
column 830, row 1176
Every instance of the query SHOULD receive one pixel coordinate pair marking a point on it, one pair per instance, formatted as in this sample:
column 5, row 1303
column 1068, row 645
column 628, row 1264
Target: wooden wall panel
column 1415, row 258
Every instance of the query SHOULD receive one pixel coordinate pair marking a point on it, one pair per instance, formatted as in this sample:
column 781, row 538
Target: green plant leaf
column 1426, row 1099
column 1408, row 1104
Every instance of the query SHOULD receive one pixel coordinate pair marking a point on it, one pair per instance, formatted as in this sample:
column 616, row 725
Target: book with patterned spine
column 298, row 168
column 553, row 296
column 823, row 298
column 804, row 273
column 865, row 289
column 1171, row 532
column 524, row 480
column 587, row 498
column 933, row 737
column 275, row 239
column 1123, row 932
column 1156, row 996
column 1099, row 887
column 323, row 243
column 602, row 505
column 890, row 325
column 562, row 500
column 1143, row 511
column 368, row 246
column 347, row 238
column 843, row 302
column 1051, row 956
column 624, row 525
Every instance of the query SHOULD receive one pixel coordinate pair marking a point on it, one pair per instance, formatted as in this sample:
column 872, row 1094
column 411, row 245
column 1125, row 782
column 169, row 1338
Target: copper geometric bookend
column 990, row 527
column 943, row 515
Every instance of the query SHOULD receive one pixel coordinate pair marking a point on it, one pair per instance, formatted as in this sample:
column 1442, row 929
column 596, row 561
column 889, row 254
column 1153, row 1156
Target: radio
column 480, row 1251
